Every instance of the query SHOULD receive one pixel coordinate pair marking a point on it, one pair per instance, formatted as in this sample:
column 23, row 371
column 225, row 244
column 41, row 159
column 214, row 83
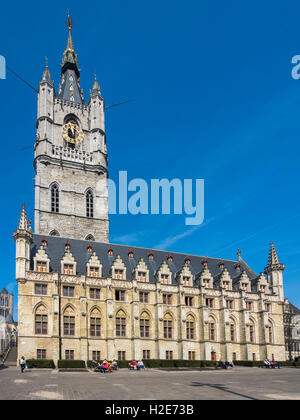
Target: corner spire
column 273, row 260
column 96, row 88
column 23, row 223
column 46, row 74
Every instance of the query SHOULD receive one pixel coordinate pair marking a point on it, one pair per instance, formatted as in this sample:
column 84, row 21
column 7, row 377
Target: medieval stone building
column 80, row 297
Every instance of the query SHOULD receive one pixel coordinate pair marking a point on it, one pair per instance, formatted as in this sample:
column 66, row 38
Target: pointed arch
column 41, row 319
column 168, row 325
column 54, row 233
column 54, row 191
column 145, row 324
column 232, row 326
column 252, row 330
column 89, row 202
column 69, row 320
column 90, row 238
column 121, row 323
column 190, row 327
column 95, row 321
column 95, row 310
column 212, row 336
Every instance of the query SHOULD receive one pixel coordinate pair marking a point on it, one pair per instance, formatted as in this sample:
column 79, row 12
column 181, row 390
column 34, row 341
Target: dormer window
column 119, row 274
column 164, row 278
column 89, row 248
column 221, row 265
column 44, row 242
column 41, row 266
column 187, row 260
column 142, row 276
column 262, row 288
column 69, row 269
column 170, row 258
column 94, row 272
column 67, row 246
column 226, row 285
column 110, row 252
column 151, row 256
column 206, row 283
column 245, row 287
column 186, row 280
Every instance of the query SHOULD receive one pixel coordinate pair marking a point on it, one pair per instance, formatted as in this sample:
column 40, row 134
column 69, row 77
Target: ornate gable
column 94, row 266
column 205, row 277
column 68, row 263
column 41, row 261
column 118, row 269
column 243, row 282
column 141, row 272
column 164, row 274
column 185, row 276
column 224, row 280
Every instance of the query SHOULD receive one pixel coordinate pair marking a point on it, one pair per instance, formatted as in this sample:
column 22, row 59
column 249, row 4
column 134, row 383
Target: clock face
column 72, row 133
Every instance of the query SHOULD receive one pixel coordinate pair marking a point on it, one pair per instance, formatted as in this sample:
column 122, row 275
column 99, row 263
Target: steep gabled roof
column 56, row 249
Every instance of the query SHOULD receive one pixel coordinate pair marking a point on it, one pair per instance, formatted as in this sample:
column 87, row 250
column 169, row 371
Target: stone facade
column 6, row 304
column 200, row 316
column 74, row 167
column 291, row 317
column 80, row 295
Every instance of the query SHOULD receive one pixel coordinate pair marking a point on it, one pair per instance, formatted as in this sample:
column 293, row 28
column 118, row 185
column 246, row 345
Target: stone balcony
column 72, row 154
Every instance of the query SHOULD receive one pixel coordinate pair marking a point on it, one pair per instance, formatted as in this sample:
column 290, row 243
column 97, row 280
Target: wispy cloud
column 173, row 239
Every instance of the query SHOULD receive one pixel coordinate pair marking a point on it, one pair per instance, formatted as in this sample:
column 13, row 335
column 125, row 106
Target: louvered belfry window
column 54, row 199
column 89, row 204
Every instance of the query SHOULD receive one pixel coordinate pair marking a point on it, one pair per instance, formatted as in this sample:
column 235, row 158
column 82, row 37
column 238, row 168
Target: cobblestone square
column 152, row 384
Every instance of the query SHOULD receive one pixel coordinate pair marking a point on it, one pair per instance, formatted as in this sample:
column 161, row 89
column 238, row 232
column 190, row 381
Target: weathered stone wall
column 109, row 344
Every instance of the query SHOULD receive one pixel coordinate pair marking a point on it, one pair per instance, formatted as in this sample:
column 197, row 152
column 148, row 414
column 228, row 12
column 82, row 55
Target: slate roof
column 56, row 249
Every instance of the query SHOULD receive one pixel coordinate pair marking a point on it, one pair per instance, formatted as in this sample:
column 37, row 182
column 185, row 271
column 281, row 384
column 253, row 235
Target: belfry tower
column 70, row 156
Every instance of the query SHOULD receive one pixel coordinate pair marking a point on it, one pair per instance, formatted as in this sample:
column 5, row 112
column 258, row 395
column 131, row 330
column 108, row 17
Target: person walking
column 22, row 363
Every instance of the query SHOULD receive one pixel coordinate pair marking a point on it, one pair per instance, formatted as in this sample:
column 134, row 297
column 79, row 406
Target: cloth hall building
column 81, row 297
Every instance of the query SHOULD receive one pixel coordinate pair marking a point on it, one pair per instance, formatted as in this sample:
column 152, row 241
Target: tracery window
column 89, row 204
column 54, row 198
column 168, row 326
column 144, row 325
column 190, row 329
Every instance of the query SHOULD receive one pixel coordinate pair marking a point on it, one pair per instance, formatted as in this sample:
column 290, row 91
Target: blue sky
column 214, row 99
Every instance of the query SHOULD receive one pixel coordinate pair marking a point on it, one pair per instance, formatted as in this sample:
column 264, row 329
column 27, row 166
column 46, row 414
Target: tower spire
column 23, row 223
column 274, row 271
column 273, row 261
column 46, row 74
column 69, row 89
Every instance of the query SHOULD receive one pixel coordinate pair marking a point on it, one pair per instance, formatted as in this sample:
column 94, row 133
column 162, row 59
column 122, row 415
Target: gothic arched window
column 144, row 325
column 54, row 198
column 95, row 323
column 121, row 324
column 41, row 321
column 89, row 203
